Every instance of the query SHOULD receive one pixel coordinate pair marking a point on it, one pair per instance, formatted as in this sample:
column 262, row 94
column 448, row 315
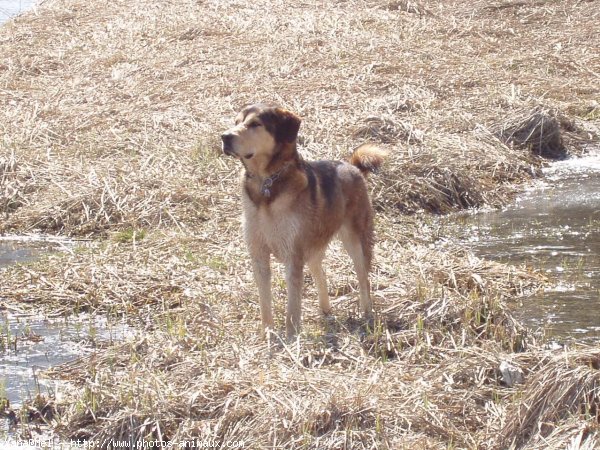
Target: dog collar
column 265, row 188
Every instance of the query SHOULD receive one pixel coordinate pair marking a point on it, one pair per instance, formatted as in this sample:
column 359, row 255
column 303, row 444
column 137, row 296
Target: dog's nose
column 227, row 139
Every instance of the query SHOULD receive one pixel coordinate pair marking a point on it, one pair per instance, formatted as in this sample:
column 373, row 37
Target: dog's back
column 339, row 191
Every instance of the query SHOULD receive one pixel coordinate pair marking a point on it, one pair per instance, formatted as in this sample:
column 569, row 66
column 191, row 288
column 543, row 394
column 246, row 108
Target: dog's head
column 260, row 131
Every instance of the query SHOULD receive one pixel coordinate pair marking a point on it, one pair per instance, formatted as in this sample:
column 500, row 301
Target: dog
column 293, row 208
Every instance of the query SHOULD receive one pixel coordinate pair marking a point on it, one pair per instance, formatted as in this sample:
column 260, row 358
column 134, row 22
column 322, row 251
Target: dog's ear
column 287, row 126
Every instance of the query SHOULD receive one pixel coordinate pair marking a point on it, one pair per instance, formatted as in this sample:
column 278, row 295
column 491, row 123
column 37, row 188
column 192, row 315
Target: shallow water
column 29, row 343
column 9, row 8
column 554, row 227
column 15, row 250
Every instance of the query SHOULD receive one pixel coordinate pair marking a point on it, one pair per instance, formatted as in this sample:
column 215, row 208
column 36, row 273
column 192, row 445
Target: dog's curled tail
column 368, row 158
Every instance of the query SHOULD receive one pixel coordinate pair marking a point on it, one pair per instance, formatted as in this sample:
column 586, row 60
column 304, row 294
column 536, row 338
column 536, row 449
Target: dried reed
column 110, row 114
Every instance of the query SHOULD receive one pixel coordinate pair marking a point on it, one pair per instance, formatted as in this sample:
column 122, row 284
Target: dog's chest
column 276, row 226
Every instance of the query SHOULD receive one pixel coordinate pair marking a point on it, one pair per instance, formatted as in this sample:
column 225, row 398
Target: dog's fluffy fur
column 293, row 208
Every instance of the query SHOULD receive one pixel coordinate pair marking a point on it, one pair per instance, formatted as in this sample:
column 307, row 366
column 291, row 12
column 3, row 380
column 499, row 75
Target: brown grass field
column 110, row 117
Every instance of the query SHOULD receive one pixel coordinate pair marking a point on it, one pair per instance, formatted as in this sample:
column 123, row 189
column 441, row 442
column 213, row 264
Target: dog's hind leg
column 261, row 267
column 315, row 265
column 358, row 245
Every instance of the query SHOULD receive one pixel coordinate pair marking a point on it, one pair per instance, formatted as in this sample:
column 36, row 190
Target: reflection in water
column 555, row 228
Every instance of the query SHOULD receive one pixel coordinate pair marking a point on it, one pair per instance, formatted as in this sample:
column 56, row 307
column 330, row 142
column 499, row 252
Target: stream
column 553, row 227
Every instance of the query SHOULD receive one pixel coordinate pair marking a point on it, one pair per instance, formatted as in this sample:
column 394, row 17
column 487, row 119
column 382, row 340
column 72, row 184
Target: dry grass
column 426, row 371
column 110, row 114
column 112, row 107
column 536, row 130
column 559, row 405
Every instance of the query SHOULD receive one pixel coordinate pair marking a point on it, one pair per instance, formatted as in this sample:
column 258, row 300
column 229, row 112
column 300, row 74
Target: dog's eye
column 254, row 124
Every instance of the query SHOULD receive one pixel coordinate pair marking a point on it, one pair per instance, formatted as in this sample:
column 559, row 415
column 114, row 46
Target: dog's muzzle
column 227, row 139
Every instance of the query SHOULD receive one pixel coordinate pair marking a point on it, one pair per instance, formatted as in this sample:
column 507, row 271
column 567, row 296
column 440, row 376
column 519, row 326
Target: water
column 553, row 227
column 31, row 343
column 22, row 249
column 9, row 8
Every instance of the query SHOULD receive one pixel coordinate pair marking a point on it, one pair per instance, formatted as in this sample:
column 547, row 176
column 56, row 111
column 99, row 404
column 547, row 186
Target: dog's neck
column 266, row 188
column 264, row 183
column 263, row 167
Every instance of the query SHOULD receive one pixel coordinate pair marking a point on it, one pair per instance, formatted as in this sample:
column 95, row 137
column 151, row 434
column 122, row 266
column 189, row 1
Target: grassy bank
column 110, row 118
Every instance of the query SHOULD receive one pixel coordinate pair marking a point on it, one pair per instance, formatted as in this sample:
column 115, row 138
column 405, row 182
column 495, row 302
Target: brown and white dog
column 293, row 208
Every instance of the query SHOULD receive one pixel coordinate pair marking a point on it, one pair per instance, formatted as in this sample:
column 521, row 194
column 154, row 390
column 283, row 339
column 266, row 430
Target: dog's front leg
column 293, row 278
column 261, row 267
